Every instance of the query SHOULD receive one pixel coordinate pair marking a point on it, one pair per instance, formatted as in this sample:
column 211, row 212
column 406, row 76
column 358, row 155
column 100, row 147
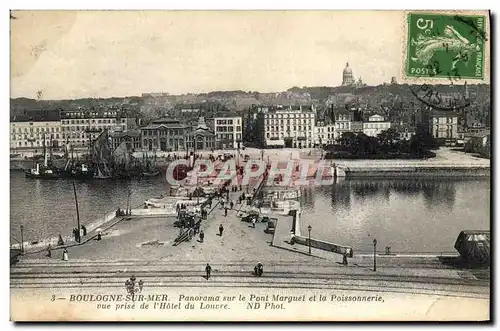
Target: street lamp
column 22, row 239
column 374, row 254
column 309, row 228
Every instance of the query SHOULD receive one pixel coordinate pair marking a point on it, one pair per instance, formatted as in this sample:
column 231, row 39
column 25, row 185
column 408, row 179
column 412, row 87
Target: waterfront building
column 132, row 138
column 478, row 142
column 201, row 138
column 375, row 125
column 79, row 127
column 290, row 127
column 443, row 125
column 228, row 129
column 29, row 129
column 324, row 134
column 343, row 122
column 164, row 135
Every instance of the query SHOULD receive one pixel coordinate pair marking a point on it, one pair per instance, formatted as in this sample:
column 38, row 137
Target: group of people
column 130, row 285
column 79, row 233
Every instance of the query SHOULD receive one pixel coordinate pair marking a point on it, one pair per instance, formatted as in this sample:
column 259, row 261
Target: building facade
column 375, row 125
column 324, row 134
column 228, row 130
column 36, row 129
column 443, row 125
column 201, row 138
column 343, row 123
column 164, row 135
column 80, row 128
column 132, row 139
column 290, row 127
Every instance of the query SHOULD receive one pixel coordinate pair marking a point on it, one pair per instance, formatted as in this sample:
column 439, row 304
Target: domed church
column 348, row 78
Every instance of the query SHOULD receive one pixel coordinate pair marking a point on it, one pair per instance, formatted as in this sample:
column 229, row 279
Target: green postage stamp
column 445, row 46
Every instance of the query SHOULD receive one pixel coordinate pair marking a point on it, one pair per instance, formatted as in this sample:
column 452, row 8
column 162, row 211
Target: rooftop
column 155, row 126
column 442, row 113
column 109, row 113
column 37, row 116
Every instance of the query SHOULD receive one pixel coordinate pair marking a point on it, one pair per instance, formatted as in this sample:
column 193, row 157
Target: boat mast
column 77, row 212
column 45, row 160
column 50, row 151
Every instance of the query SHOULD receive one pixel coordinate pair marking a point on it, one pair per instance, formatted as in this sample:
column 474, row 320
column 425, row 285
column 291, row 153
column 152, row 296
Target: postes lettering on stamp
column 445, row 46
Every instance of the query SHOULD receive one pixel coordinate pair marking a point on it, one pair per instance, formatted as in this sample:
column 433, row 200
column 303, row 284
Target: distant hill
column 394, row 100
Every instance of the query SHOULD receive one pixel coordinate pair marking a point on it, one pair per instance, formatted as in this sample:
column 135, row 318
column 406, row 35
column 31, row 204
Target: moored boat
column 42, row 173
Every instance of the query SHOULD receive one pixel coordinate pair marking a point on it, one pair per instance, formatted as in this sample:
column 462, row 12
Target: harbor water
column 410, row 216
column 407, row 215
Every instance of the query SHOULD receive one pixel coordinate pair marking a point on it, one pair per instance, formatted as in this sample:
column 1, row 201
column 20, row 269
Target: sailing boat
column 46, row 171
column 101, row 156
column 75, row 170
column 151, row 170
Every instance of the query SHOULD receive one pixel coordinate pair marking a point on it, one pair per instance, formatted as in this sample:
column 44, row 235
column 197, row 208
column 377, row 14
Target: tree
column 347, row 140
column 388, row 137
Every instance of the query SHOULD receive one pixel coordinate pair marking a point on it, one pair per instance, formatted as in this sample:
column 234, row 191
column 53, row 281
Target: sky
column 77, row 54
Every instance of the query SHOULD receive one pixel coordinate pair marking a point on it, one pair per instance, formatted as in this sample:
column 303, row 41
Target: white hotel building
column 375, row 125
column 289, row 127
column 79, row 127
column 228, row 130
column 28, row 130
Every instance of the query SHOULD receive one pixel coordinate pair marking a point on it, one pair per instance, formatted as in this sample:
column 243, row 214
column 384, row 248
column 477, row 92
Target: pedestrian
column 344, row 259
column 84, row 229
column 141, row 284
column 221, row 229
column 60, row 241
column 65, row 255
column 231, row 204
column 254, row 220
column 258, row 269
column 202, row 236
column 99, row 235
column 225, row 212
column 49, row 251
column 208, row 270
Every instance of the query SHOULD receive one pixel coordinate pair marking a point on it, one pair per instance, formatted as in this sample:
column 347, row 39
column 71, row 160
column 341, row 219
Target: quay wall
column 22, row 164
column 417, row 171
column 93, row 225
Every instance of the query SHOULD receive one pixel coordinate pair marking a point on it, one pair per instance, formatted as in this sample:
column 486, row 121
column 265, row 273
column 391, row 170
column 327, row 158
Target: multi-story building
column 36, row 129
column 164, row 135
column 79, row 128
column 343, row 123
column 375, row 125
column 443, row 125
column 291, row 127
column 324, row 134
column 228, row 129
